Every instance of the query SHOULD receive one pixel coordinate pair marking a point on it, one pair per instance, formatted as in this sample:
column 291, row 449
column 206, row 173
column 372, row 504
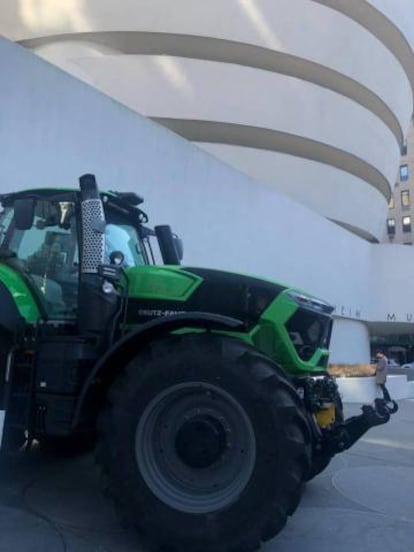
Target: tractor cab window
column 48, row 255
column 121, row 236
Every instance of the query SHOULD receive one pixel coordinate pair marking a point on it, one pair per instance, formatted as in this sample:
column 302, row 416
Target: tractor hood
column 156, row 291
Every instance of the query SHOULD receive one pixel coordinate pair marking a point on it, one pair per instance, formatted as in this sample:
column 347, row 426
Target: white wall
column 331, row 82
column 229, row 93
column 331, row 192
column 349, row 341
column 392, row 291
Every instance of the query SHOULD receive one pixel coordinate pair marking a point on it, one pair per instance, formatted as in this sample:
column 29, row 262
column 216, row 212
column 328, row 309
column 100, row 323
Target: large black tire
column 321, row 460
column 205, row 445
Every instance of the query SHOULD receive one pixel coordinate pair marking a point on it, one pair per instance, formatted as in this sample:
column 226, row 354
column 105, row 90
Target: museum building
column 268, row 133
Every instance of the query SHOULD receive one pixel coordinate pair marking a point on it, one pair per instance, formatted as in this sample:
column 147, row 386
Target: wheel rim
column 195, row 447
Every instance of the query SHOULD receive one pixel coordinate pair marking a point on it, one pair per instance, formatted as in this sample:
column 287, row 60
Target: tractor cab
column 41, row 237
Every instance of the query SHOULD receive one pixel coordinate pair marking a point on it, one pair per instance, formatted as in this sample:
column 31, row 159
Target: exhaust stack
column 93, row 226
column 96, row 307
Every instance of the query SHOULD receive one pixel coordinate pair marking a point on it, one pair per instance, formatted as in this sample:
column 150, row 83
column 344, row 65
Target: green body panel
column 161, row 282
column 25, row 303
column 276, row 346
column 165, row 284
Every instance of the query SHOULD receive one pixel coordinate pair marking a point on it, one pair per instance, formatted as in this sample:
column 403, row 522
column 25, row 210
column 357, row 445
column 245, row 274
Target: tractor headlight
column 310, row 302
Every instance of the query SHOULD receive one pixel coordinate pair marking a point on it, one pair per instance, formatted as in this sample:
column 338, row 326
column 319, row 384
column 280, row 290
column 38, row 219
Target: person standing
column 381, row 374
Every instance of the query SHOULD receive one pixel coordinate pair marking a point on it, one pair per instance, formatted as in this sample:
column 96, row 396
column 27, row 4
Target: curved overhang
column 227, row 51
column 379, row 25
column 326, row 190
column 277, row 141
column 360, row 232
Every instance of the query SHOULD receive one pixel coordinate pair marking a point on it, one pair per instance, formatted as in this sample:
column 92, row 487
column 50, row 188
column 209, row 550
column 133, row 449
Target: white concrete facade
column 308, row 101
column 365, row 390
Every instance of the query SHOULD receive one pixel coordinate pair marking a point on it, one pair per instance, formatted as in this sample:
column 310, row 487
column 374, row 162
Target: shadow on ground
column 363, row 502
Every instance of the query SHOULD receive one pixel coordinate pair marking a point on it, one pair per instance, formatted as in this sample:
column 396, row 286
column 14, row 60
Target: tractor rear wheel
column 205, row 445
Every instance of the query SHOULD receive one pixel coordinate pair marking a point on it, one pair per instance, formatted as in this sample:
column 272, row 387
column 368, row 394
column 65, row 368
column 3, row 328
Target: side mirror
column 24, row 210
column 179, row 246
column 167, row 246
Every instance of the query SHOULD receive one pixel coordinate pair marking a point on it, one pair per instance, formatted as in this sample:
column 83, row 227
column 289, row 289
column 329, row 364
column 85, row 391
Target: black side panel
column 63, row 364
column 223, row 293
column 9, row 314
column 230, row 294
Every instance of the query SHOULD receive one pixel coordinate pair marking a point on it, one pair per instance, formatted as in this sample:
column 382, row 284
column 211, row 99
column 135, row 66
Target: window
column 391, row 204
column 403, row 173
column 404, row 148
column 408, row 243
column 123, row 238
column 48, row 255
column 405, row 199
column 406, row 224
column 391, row 226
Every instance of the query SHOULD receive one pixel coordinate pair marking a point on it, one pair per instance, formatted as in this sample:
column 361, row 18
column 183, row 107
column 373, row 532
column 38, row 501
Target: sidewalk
column 363, row 502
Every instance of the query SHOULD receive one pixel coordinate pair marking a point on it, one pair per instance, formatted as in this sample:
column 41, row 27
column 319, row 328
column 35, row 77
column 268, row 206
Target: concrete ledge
column 365, row 390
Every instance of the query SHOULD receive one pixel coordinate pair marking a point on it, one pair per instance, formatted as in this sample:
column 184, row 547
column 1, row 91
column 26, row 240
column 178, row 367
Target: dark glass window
column 403, row 173
column 406, row 224
column 405, row 199
column 391, row 204
column 391, row 226
column 404, row 149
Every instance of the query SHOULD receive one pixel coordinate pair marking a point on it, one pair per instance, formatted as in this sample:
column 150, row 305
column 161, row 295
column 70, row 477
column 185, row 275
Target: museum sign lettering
column 392, row 317
column 356, row 313
column 349, row 312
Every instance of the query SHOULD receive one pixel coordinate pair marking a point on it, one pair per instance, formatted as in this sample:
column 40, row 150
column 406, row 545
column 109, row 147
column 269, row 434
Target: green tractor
column 206, row 392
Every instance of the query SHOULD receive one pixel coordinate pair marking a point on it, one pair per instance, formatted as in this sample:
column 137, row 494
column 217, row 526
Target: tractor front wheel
column 205, row 445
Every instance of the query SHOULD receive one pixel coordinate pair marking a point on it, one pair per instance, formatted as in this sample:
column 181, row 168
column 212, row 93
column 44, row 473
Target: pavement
column 363, row 502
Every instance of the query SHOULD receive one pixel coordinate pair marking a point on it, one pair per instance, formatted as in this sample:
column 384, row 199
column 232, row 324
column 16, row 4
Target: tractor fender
column 122, row 352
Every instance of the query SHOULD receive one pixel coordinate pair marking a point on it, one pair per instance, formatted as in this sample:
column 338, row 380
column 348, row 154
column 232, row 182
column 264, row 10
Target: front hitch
column 342, row 436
